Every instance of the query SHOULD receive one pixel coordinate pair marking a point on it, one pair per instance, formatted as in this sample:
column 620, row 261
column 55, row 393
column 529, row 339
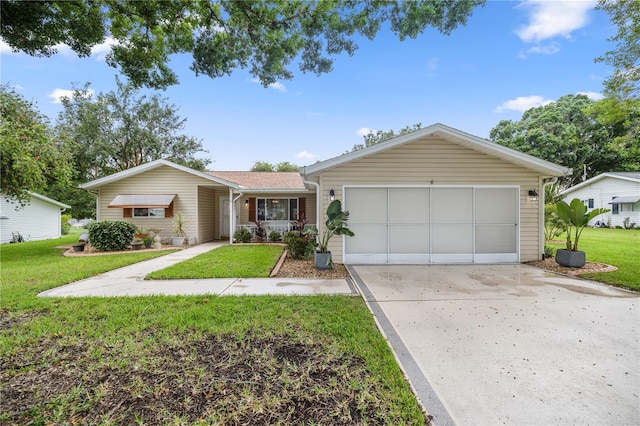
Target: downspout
column 543, row 201
column 317, row 185
column 232, row 217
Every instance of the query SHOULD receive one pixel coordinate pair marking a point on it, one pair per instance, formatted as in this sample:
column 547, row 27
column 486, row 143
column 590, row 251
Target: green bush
column 111, row 235
column 64, row 224
column 299, row 246
column 274, row 236
column 242, row 235
column 549, row 252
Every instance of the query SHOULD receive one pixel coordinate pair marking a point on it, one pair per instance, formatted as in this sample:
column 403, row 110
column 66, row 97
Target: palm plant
column 575, row 215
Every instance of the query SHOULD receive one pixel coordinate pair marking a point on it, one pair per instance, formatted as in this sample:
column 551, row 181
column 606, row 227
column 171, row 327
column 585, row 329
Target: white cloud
column 364, row 131
column 523, row 103
column 18, row 87
column 305, row 155
column 548, row 49
column 549, row 19
column 58, row 94
column 277, row 85
column 594, row 96
column 5, row 49
column 100, row 51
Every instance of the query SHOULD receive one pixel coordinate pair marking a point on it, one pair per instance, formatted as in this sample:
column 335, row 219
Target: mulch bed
column 550, row 264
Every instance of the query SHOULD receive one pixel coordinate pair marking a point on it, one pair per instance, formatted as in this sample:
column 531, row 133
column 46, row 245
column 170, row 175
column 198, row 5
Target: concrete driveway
column 510, row 344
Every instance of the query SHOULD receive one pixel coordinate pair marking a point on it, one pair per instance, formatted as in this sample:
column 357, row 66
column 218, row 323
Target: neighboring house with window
column 38, row 220
column 436, row 195
column 616, row 191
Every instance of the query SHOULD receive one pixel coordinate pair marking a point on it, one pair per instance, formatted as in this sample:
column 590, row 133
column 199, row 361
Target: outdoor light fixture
column 246, row 202
column 332, row 195
column 533, row 195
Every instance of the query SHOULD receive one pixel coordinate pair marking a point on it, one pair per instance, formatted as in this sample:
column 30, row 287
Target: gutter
column 543, row 201
column 317, row 185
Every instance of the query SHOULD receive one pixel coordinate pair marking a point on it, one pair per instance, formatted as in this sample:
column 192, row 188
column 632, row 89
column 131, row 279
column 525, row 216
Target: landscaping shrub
column 628, row 224
column 260, row 231
column 549, row 252
column 553, row 225
column 111, row 235
column 64, row 224
column 300, row 246
column 274, row 236
column 242, row 235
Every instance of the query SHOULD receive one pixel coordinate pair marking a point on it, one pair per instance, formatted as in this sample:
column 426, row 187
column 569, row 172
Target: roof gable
column 150, row 166
column 626, row 176
column 452, row 135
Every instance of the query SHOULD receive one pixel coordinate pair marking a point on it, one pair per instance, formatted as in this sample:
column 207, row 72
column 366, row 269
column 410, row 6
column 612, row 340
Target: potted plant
column 336, row 224
column 575, row 215
column 78, row 247
column 178, row 229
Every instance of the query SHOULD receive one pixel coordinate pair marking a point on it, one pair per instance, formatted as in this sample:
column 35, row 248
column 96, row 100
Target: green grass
column 617, row 247
column 153, row 359
column 235, row 261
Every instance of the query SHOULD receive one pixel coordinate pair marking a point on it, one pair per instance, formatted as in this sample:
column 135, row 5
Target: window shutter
column 127, row 212
column 302, row 208
column 252, row 209
column 168, row 212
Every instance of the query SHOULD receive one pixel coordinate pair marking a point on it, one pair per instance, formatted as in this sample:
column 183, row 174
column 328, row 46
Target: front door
column 224, row 218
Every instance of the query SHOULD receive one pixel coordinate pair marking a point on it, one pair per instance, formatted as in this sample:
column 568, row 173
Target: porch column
column 232, row 216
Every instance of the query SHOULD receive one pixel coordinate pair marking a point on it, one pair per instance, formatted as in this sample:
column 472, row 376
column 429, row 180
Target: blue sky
column 510, row 56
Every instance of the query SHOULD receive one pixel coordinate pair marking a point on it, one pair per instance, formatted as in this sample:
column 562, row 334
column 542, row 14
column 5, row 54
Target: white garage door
column 432, row 225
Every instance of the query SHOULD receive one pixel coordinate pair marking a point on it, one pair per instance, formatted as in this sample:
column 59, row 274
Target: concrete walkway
column 129, row 281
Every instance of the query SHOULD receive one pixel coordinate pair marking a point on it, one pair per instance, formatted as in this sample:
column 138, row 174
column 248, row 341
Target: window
column 148, row 212
column 277, row 209
column 590, row 205
column 615, row 208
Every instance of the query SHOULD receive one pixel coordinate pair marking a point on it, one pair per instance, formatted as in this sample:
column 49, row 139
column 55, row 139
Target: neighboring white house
column 39, row 220
column 616, row 191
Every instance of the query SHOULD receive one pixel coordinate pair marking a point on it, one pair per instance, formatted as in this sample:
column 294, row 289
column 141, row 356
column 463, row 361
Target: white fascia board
column 247, row 191
column 150, row 166
column 452, row 135
column 49, row 200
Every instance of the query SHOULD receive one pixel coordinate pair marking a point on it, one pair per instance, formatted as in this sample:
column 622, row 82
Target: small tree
column 336, row 224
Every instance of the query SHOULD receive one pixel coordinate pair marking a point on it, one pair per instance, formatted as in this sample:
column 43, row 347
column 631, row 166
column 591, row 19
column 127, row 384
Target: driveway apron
column 510, row 344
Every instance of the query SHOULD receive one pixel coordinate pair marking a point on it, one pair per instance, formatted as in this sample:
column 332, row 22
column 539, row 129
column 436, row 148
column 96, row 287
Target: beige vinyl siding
column 161, row 180
column 206, row 214
column 435, row 162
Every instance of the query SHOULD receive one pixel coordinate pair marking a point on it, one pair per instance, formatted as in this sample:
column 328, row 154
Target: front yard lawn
column 235, row 261
column 186, row 360
column 617, row 247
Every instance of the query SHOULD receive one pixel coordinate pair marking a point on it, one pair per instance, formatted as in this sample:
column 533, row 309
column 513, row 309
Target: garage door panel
column 410, row 238
column 496, row 239
column 452, row 239
column 366, row 205
column 452, row 205
column 496, row 205
column 368, row 239
column 409, row 205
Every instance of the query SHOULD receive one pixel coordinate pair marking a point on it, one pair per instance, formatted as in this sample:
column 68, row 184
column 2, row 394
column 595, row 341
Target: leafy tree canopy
column 574, row 132
column 30, row 157
column 222, row 35
column 123, row 129
column 625, row 59
column 373, row 138
column 265, row 166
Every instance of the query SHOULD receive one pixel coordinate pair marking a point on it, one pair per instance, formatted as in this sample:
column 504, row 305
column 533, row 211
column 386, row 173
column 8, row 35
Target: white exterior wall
column 40, row 220
column 435, row 162
column 602, row 192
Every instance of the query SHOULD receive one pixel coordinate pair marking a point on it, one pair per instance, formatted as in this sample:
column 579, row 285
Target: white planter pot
column 177, row 241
